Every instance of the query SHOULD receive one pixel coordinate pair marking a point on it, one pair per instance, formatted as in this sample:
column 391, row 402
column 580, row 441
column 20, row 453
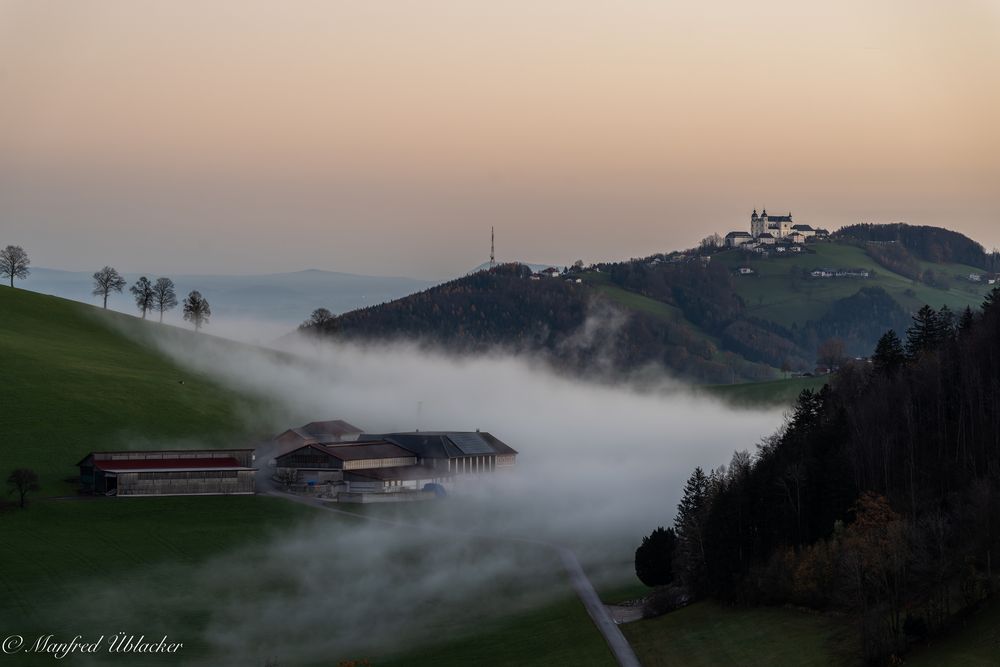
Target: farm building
column 323, row 433
column 363, row 467
column 374, row 465
column 454, row 451
column 169, row 472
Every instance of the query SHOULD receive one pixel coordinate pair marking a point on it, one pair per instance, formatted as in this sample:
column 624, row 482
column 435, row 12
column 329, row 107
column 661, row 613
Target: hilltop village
column 774, row 233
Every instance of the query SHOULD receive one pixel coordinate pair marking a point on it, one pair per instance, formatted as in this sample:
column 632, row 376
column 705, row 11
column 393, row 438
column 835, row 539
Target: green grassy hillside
column 772, row 294
column 753, row 394
column 74, row 382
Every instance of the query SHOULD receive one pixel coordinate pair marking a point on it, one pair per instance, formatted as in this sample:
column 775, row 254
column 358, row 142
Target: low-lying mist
column 600, row 465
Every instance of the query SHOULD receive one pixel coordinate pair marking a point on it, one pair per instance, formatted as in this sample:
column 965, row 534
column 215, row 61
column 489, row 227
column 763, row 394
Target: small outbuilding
column 178, row 472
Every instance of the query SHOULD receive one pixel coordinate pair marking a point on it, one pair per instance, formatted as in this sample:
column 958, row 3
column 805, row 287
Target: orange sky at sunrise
column 387, row 137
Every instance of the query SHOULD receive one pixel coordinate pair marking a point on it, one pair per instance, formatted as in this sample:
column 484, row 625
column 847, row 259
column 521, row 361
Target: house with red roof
column 175, row 472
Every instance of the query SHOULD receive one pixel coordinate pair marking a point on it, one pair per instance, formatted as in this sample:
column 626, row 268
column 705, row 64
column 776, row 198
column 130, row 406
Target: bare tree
column 22, row 481
column 106, row 281
column 196, row 310
column 164, row 296
column 14, row 263
column 832, row 353
column 142, row 290
column 319, row 317
column 711, row 241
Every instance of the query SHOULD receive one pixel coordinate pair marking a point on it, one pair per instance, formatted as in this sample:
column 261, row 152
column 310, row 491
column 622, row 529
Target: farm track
column 582, row 586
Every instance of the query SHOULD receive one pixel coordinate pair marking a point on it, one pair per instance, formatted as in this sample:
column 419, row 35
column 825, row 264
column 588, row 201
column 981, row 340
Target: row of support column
column 473, row 464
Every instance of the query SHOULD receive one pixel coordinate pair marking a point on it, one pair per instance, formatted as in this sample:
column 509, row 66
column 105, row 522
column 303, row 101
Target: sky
column 247, row 136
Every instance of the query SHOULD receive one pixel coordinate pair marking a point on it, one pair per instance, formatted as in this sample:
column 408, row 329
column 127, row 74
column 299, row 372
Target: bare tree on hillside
column 319, row 317
column 14, row 263
column 832, row 353
column 196, row 310
column 142, row 290
column 164, row 296
column 22, row 481
column 106, row 281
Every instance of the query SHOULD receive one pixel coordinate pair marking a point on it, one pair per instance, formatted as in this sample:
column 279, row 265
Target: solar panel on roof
column 470, row 443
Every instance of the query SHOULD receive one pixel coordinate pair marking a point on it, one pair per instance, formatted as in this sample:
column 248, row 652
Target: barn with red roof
column 177, row 472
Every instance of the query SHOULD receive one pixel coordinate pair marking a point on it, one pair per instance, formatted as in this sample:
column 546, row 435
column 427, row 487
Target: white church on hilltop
column 770, row 230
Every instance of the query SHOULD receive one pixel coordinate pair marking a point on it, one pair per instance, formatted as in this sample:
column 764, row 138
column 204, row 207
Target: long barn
column 169, row 472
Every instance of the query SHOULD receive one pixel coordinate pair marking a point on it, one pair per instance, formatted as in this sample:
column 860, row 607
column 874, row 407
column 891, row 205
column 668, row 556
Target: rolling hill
column 75, row 380
column 253, row 308
column 693, row 313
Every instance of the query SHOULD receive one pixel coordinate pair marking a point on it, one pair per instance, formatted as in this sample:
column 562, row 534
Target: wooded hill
column 879, row 498
column 693, row 313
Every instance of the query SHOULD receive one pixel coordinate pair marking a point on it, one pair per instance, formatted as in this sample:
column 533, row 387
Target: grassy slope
column 73, row 384
column 751, row 394
column 709, row 634
column 975, row 643
column 771, row 295
column 557, row 634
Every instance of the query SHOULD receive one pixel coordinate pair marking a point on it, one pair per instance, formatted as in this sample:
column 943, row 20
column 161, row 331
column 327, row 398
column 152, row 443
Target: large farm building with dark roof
column 377, row 464
column 169, row 472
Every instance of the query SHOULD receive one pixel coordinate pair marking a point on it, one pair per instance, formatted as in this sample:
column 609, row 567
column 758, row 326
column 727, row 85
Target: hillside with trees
column 880, row 497
column 712, row 315
column 568, row 323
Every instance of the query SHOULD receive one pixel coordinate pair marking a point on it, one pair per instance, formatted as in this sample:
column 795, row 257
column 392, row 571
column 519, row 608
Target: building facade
column 169, row 472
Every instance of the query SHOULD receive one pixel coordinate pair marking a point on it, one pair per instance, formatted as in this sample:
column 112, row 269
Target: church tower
column 757, row 224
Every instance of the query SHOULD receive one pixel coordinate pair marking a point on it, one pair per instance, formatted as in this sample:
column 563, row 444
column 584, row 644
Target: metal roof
column 470, row 443
column 444, row 444
column 169, row 465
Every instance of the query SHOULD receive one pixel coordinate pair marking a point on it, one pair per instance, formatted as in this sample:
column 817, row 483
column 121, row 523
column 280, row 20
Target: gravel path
column 598, row 612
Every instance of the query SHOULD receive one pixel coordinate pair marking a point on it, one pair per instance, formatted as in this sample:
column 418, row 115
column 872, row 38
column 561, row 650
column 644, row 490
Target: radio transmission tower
column 493, row 259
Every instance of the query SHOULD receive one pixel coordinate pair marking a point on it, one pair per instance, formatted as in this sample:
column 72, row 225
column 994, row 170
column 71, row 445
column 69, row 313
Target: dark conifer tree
column 889, row 353
column 654, row 557
column 966, row 320
column 925, row 332
column 692, row 513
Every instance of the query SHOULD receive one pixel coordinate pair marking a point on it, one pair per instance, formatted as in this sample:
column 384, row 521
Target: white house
column 736, row 239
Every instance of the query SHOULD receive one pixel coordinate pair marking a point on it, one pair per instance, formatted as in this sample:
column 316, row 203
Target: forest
column 899, row 246
column 879, row 498
column 561, row 321
column 576, row 328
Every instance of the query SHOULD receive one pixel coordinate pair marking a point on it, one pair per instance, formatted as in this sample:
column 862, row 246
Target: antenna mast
column 493, row 260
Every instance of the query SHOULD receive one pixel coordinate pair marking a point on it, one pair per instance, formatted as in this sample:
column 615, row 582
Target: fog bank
column 599, row 466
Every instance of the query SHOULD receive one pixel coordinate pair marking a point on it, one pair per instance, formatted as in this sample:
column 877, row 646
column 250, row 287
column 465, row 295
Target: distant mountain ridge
column 711, row 314
column 276, row 301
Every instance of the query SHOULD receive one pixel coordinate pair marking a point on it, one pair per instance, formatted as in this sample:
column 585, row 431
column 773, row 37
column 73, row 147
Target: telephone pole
column 493, row 259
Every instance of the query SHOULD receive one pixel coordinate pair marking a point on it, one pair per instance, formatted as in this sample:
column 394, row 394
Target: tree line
column 159, row 295
column 879, row 497
column 505, row 308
